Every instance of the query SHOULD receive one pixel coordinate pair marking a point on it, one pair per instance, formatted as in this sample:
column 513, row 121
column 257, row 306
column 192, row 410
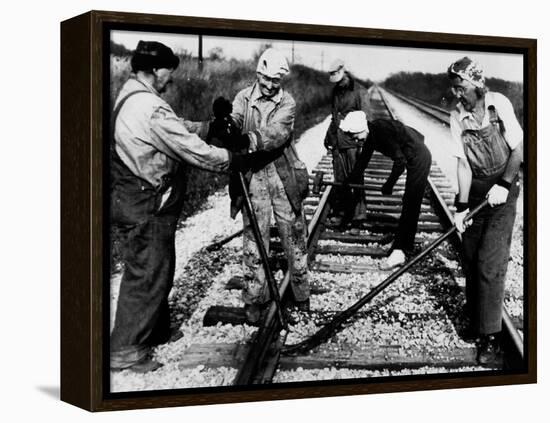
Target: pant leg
column 471, row 239
column 492, row 263
column 256, row 290
column 418, row 170
column 355, row 203
column 339, row 194
column 142, row 317
column 292, row 231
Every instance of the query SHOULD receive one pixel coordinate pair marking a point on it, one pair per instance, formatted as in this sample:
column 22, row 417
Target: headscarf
column 468, row 70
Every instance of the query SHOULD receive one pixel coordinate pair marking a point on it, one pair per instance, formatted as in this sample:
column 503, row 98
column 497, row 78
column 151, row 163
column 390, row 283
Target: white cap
column 354, row 122
column 272, row 64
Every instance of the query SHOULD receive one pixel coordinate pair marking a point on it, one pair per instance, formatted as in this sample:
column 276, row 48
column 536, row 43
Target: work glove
column 222, row 108
column 241, row 141
column 497, row 195
column 387, row 188
column 239, row 162
column 459, row 220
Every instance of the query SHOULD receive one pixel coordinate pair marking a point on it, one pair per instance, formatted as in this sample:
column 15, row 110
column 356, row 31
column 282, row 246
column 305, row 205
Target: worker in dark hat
column 405, row 146
column 347, row 95
column 488, row 145
column 149, row 143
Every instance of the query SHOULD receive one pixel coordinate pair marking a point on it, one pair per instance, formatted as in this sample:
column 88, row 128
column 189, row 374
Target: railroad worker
column 488, row 144
column 278, row 183
column 347, row 96
column 405, row 146
column 149, row 144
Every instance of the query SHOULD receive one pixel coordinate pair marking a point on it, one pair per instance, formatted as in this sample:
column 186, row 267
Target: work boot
column 175, row 335
column 255, row 312
column 336, row 220
column 488, row 349
column 145, row 365
column 360, row 216
column 395, row 259
column 302, row 305
column 354, row 231
column 469, row 334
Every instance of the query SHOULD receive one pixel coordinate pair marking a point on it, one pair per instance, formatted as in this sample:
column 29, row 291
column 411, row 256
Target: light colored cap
column 354, row 122
column 273, row 64
column 336, row 71
column 336, row 65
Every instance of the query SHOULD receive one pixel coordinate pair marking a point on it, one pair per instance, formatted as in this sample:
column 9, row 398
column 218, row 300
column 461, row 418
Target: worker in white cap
column 348, row 95
column 405, row 146
column 278, row 184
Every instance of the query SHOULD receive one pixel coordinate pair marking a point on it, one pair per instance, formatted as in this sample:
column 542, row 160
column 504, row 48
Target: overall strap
column 119, row 170
column 117, row 108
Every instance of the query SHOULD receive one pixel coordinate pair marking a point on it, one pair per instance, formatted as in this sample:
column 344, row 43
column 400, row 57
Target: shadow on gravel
column 440, row 282
column 196, row 279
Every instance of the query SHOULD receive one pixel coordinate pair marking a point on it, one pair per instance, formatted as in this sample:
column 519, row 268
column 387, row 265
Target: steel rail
column 427, row 108
column 254, row 363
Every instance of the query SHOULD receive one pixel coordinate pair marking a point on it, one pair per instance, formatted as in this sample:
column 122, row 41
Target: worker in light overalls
column 488, row 143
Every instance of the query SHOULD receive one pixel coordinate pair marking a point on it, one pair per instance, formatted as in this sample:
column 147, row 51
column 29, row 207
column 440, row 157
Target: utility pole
column 200, row 53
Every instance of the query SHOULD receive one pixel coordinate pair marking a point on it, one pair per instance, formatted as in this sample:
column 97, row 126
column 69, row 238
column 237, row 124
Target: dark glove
column 222, row 108
column 240, row 162
column 241, row 142
column 387, row 188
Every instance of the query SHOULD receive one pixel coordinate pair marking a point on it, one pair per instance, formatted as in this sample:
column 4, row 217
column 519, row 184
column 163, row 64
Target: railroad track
column 413, row 326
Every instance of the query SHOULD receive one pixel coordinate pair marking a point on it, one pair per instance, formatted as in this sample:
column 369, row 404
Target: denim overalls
column 487, row 241
column 146, row 225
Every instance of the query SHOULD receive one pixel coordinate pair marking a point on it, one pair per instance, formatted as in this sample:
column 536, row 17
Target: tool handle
column 271, row 284
column 323, row 334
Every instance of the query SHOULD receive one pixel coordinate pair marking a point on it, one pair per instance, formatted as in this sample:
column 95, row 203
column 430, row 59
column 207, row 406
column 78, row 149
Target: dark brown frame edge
column 82, row 210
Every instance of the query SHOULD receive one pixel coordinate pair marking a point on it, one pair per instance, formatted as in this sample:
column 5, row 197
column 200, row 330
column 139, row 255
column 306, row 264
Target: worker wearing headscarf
column 488, row 144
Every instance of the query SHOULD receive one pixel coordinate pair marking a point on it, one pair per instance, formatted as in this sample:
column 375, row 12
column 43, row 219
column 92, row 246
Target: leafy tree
column 216, row 54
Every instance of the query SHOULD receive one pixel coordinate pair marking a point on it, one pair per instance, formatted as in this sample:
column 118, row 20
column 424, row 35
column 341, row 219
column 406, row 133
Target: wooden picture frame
column 84, row 221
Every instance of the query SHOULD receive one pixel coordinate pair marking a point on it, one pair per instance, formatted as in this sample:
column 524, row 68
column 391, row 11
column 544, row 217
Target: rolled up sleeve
column 171, row 136
column 513, row 132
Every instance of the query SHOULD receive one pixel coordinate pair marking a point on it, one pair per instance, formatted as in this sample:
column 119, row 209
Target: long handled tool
column 272, row 285
column 333, row 326
column 219, row 244
column 318, row 182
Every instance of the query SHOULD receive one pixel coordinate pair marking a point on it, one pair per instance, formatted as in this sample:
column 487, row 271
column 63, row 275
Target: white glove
column 459, row 220
column 497, row 195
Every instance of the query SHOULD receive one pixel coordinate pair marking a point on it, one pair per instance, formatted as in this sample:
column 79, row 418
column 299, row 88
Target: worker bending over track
column 405, row 146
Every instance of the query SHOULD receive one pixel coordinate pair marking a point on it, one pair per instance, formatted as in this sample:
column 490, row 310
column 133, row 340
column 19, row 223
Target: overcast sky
column 372, row 62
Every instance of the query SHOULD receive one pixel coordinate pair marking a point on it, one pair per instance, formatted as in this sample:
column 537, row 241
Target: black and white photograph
column 292, row 212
